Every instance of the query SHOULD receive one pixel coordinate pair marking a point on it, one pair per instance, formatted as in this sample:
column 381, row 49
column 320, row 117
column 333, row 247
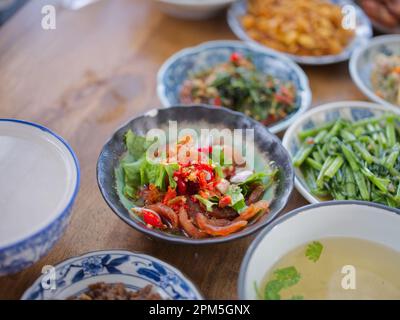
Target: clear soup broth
column 335, row 268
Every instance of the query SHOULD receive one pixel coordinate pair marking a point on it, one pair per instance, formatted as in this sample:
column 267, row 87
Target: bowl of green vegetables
column 347, row 150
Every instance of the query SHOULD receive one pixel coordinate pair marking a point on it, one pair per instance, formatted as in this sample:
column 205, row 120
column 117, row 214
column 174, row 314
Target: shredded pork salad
column 385, row 77
column 195, row 195
column 238, row 85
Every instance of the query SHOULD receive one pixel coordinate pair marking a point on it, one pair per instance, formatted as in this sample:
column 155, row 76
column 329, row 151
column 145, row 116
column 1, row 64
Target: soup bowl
column 344, row 219
column 39, row 182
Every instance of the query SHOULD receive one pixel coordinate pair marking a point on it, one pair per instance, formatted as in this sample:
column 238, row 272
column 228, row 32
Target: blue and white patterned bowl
column 363, row 33
column 362, row 63
column 350, row 110
column 178, row 67
column 26, row 236
column 135, row 270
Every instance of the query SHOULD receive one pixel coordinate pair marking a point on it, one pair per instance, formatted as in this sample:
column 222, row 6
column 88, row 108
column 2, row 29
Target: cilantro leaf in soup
column 282, row 279
column 272, row 290
column 314, row 250
column 288, row 276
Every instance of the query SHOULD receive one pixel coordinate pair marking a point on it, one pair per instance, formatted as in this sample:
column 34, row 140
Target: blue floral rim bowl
column 363, row 33
column 362, row 63
column 30, row 226
column 350, row 110
column 178, row 67
column 135, row 270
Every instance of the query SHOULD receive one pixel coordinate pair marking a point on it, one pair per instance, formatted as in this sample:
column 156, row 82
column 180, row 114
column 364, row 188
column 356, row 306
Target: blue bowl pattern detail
column 133, row 269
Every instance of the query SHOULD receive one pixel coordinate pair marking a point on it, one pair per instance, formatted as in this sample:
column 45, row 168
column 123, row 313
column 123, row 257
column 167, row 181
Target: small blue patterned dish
column 362, row 63
column 134, row 270
column 178, row 67
column 350, row 110
column 363, row 33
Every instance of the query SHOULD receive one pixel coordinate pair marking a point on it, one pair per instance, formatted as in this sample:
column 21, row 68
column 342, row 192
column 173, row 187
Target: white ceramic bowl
column 39, row 182
column 362, row 62
column 354, row 219
column 350, row 110
column 192, row 9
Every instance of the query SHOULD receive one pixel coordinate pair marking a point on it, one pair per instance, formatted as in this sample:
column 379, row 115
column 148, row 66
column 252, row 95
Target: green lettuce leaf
column 205, row 202
column 237, row 199
column 137, row 145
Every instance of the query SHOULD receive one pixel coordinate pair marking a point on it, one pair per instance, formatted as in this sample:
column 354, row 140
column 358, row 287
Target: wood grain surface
column 93, row 73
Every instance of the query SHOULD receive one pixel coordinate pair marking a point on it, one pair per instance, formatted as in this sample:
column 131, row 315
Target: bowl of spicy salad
column 264, row 85
column 186, row 191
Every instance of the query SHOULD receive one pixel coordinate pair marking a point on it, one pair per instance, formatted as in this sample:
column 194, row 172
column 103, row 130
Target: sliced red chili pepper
column 171, row 194
column 202, row 180
column 235, row 57
column 225, row 201
column 152, row 218
column 208, row 149
column 217, row 101
column 283, row 99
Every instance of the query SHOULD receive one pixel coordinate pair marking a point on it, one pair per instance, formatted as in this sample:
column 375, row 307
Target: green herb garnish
column 283, row 278
column 314, row 250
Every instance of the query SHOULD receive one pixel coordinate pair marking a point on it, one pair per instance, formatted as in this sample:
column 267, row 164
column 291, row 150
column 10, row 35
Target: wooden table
column 89, row 76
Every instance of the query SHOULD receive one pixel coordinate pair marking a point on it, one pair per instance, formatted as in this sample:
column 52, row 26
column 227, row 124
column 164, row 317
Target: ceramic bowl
column 350, row 219
column 267, row 148
column 363, row 33
column 192, row 9
column 39, row 183
column 70, row 278
column 349, row 110
column 178, row 67
column 362, row 63
column 380, row 27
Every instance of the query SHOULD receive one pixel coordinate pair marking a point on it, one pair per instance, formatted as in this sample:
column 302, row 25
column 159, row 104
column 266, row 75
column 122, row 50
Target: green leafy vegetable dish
column 208, row 192
column 345, row 160
column 238, row 85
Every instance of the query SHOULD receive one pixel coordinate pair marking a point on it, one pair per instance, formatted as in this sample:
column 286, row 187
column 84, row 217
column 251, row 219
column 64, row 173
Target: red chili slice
column 166, row 212
column 235, row 57
column 152, row 218
column 224, row 201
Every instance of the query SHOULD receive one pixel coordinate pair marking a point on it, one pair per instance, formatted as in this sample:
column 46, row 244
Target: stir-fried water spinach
column 358, row 160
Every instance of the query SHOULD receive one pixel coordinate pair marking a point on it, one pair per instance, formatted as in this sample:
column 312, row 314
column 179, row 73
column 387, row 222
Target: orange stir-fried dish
column 300, row 27
column 197, row 192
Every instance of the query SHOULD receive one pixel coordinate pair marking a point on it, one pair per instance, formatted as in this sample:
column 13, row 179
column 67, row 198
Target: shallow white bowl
column 353, row 219
column 350, row 110
column 362, row 62
column 39, row 182
column 192, row 9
